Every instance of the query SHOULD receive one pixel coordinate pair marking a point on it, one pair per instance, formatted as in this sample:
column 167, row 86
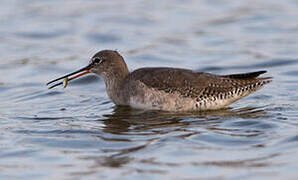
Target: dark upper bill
column 80, row 72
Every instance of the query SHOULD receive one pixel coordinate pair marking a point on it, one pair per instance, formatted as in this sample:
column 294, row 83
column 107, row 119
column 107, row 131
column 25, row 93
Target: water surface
column 78, row 133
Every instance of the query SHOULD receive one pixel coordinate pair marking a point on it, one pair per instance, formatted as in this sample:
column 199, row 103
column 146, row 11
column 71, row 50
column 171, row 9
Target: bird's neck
column 114, row 81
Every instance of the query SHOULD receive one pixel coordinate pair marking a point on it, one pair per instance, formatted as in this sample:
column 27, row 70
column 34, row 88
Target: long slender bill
column 81, row 72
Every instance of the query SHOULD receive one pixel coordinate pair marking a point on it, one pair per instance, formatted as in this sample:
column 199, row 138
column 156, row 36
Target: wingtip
column 265, row 79
column 248, row 75
column 263, row 72
column 258, row 73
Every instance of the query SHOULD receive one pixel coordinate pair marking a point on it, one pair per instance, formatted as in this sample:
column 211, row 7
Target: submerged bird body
column 169, row 89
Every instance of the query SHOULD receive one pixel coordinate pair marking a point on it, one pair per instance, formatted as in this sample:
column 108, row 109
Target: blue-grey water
column 78, row 133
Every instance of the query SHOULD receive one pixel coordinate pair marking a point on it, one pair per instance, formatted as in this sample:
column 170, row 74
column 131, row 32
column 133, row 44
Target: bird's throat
column 114, row 83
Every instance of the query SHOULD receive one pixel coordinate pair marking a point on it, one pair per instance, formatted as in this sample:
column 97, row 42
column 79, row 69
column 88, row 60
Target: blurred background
column 78, row 133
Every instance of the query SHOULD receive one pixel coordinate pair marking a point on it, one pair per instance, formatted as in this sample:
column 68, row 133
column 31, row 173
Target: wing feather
column 194, row 84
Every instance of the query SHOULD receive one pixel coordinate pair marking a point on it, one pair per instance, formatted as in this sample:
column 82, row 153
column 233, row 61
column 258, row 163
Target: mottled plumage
column 170, row 89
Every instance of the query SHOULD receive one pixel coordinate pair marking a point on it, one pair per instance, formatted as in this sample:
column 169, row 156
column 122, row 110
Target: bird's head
column 106, row 63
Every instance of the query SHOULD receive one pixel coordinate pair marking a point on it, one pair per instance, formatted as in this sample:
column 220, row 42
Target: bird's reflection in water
column 140, row 128
column 127, row 120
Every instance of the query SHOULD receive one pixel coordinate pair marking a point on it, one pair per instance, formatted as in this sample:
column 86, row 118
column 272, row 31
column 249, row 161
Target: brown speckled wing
column 197, row 84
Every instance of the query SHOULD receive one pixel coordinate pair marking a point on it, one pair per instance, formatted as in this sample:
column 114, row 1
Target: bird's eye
column 97, row 60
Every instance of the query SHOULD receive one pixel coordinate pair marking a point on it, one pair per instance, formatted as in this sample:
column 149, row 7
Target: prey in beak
column 70, row 76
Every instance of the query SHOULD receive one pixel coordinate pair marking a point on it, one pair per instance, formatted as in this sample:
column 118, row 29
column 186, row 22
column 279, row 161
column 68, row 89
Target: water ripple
column 78, row 133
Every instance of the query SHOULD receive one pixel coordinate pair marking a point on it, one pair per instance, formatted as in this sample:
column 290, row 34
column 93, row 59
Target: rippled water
column 78, row 133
